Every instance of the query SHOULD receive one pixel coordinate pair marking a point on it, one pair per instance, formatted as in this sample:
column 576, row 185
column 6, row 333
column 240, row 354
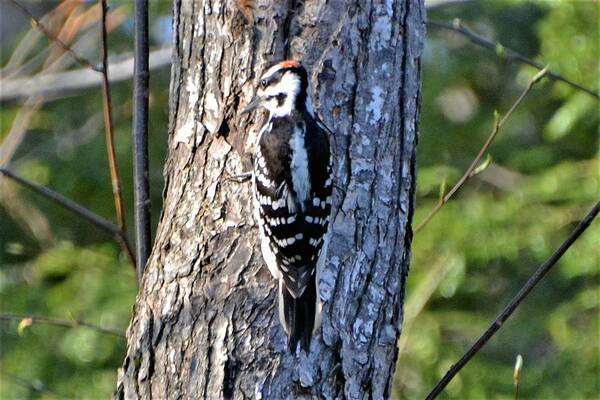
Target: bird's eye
column 263, row 83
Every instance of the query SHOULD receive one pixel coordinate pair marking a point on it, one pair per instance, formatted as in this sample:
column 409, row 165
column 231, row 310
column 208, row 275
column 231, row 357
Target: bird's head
column 283, row 88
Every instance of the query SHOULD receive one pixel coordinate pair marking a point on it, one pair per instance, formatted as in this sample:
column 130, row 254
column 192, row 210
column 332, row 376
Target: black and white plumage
column 292, row 185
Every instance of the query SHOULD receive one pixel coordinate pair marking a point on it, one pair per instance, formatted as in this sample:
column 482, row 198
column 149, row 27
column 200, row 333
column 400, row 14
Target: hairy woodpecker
column 292, row 186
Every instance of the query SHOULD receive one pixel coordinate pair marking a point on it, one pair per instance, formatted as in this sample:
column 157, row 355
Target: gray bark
column 205, row 322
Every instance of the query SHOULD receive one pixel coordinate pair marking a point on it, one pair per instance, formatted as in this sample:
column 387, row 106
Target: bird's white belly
column 267, row 253
column 299, row 167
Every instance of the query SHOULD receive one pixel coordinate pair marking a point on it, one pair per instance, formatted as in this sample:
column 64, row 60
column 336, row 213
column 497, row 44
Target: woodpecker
column 292, row 184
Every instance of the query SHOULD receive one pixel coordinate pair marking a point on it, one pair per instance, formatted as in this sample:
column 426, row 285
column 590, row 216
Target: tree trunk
column 205, row 323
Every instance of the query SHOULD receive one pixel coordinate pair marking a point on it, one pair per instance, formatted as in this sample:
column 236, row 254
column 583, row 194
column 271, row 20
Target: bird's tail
column 300, row 316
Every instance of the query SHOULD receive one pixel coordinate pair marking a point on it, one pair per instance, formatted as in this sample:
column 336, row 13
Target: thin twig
column 80, row 59
column 108, row 127
column 503, row 51
column 514, row 303
column 140, row 136
column 72, row 206
column 67, row 323
column 469, row 173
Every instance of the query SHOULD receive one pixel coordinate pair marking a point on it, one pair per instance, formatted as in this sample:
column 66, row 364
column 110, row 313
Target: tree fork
column 205, row 322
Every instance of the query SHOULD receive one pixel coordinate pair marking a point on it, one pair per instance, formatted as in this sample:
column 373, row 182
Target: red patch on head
column 289, row 64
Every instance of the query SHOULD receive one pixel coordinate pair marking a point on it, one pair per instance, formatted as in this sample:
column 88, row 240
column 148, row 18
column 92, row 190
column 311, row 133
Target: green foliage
column 78, row 272
column 509, row 219
column 72, row 282
column 541, row 177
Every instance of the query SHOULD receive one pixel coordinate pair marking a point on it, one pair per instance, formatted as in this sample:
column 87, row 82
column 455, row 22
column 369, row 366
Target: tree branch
column 108, row 127
column 470, row 172
column 75, row 208
column 514, row 303
column 46, row 84
column 140, row 137
column 80, row 59
column 67, row 323
column 503, row 51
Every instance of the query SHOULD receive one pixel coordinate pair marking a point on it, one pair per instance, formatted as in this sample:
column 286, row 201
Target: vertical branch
column 110, row 142
column 140, row 136
column 108, row 127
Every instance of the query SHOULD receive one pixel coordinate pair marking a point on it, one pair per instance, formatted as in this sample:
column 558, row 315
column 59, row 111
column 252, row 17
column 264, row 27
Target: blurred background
column 467, row 262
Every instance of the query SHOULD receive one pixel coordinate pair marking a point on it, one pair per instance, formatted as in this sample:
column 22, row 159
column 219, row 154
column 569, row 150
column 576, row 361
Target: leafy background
column 467, row 263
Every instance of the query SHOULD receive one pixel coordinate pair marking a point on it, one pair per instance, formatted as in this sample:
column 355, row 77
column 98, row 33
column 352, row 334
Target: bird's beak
column 253, row 104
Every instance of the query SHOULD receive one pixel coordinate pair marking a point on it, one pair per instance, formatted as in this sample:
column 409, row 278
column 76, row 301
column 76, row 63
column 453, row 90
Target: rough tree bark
column 205, row 322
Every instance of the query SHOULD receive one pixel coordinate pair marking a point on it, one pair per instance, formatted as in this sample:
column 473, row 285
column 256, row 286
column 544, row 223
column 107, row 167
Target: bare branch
column 80, row 59
column 503, row 51
column 72, row 206
column 67, row 323
column 66, row 82
column 108, row 127
column 514, row 303
column 469, row 173
column 140, row 137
